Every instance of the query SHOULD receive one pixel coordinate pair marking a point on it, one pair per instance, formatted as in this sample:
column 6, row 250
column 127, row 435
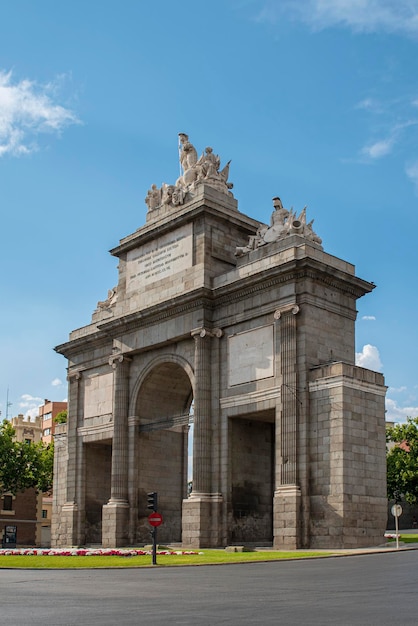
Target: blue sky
column 313, row 100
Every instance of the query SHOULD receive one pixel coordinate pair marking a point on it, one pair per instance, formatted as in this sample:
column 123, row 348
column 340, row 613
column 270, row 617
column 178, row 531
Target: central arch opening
column 163, row 406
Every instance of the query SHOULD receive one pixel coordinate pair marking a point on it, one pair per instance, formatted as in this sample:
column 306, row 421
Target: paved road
column 368, row 590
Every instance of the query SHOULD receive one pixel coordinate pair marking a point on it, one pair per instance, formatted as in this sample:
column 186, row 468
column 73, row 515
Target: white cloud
column 29, row 405
column 390, row 16
column 28, row 399
column 396, row 389
column 395, row 134
column 369, row 358
column 32, row 413
column 370, row 104
column 395, row 413
column 367, row 103
column 412, row 173
column 57, row 382
column 378, row 149
column 27, row 110
column 368, row 317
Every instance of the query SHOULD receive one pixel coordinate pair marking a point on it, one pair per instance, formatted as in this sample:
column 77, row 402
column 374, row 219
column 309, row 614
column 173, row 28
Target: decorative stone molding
column 245, row 399
column 206, row 497
column 287, row 490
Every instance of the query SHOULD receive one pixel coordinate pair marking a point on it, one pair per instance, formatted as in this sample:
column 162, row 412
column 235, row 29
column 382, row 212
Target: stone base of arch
column 115, row 524
column 201, row 521
column 66, row 525
column 287, row 518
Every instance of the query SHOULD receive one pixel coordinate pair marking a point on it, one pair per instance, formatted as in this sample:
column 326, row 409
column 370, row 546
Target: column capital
column 289, row 308
column 115, row 359
column 72, row 376
column 206, row 332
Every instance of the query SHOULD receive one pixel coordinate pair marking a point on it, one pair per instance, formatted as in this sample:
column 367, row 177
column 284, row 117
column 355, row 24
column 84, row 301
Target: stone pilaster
column 201, row 509
column 202, row 439
column 185, row 432
column 70, row 510
column 115, row 523
column 133, row 444
column 287, row 495
column 58, row 522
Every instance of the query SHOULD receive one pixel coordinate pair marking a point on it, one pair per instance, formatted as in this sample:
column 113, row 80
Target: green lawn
column 206, row 557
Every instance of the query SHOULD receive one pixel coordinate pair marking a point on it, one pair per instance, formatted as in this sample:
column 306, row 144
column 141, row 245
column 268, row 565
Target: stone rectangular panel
column 98, row 396
column 251, row 355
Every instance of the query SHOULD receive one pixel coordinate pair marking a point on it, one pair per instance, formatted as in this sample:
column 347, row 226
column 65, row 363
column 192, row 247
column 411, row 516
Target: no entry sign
column 155, row 519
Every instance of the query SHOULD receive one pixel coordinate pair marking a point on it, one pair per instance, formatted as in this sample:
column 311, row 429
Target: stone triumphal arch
column 226, row 349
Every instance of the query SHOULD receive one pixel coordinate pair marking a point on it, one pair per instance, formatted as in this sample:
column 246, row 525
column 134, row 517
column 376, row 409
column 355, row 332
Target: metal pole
column 8, row 404
column 154, row 546
column 396, row 530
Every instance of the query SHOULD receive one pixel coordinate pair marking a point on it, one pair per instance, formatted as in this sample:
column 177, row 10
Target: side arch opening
column 163, row 406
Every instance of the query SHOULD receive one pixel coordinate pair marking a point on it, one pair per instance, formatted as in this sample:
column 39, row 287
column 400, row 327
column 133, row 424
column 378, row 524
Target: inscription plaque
column 160, row 258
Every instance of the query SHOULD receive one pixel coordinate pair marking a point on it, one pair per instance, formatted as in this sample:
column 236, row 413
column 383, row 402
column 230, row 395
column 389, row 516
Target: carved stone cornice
column 292, row 271
column 98, row 339
column 289, row 308
column 165, row 310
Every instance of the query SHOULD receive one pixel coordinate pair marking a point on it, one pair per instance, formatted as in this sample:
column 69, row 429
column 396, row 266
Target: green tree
column 61, row 417
column 22, row 464
column 46, row 467
column 402, row 461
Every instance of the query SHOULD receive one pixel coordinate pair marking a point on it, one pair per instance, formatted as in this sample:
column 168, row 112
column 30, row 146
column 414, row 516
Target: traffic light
column 152, row 501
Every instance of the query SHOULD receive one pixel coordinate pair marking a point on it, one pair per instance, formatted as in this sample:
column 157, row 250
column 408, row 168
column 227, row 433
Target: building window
column 7, row 503
column 44, row 513
column 47, row 416
column 28, row 441
column 47, row 431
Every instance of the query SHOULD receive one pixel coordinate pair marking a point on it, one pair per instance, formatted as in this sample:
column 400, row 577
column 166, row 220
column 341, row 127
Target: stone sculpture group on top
column 206, row 170
column 195, row 171
column 282, row 224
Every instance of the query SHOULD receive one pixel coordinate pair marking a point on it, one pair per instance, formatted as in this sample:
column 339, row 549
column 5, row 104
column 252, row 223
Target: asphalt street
column 374, row 589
